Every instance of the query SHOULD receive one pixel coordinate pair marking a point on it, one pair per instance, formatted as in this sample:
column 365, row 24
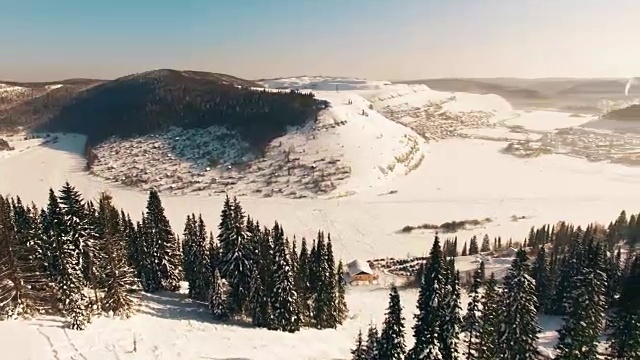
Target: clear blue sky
column 385, row 39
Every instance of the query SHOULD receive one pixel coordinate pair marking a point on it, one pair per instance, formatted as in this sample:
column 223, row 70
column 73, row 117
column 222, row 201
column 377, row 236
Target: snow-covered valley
column 382, row 157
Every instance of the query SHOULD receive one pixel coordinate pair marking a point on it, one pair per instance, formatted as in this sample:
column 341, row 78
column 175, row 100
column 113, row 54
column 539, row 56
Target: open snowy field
column 462, row 174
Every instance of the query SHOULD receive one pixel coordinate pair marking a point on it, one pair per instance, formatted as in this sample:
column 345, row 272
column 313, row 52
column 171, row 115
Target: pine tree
column 486, row 244
column 261, row 311
column 200, row 282
column 624, row 338
column 473, row 246
column 188, row 239
column 235, row 256
column 452, row 321
column 490, row 320
column 341, row 308
column 518, row 334
column 74, row 301
column 162, row 255
column 358, row 352
column 430, row 307
column 21, row 284
column 392, row 345
column 121, row 288
column 471, row 320
column 464, row 249
column 217, row 300
column 330, row 286
column 540, row 274
column 284, row 300
column 51, row 224
column 372, row 351
column 302, row 281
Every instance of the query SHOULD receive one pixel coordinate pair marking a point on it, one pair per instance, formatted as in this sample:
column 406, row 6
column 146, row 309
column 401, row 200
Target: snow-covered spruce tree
column 578, row 337
column 614, row 276
column 358, row 352
column 51, row 225
column 302, row 284
column 201, row 277
column 342, row 310
column 392, row 344
column 540, row 274
column 486, row 244
column 132, row 242
column 518, row 334
column 473, row 246
column 284, row 300
column 235, row 256
column 163, row 253
column 430, row 307
column 121, row 292
column 450, row 326
column 371, row 349
column 490, row 320
column 330, row 284
column 91, row 269
column 74, row 233
column 21, row 283
column 217, row 298
column 318, row 275
column 188, row 236
column 471, row 323
column 624, row 322
column 262, row 283
column 464, row 250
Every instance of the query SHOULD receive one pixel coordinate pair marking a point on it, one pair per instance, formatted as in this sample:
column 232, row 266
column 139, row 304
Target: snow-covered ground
column 463, row 173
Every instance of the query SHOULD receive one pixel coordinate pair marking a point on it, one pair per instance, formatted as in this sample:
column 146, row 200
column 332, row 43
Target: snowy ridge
column 323, row 83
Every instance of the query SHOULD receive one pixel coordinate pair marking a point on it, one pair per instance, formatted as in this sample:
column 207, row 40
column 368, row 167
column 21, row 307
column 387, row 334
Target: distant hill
column 480, row 87
column 630, row 113
column 156, row 100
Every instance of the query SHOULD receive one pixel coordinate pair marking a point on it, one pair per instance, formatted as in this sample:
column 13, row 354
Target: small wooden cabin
column 360, row 271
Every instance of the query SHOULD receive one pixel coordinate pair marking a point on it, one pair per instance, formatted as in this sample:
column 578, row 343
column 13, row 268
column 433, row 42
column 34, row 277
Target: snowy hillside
column 348, row 148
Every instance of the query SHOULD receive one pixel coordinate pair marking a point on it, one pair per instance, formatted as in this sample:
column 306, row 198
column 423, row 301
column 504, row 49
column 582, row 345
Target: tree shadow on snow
column 174, row 306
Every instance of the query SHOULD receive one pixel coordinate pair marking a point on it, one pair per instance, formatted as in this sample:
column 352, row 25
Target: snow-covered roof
column 357, row 267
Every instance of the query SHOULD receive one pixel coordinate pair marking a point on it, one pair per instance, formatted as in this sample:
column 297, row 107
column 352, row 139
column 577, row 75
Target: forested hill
column 153, row 101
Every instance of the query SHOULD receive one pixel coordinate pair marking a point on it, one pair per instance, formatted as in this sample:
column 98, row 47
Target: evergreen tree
column 341, row 308
column 452, row 321
column 473, row 246
column 261, row 311
column 121, row 287
column 518, row 334
column 359, row 351
column 199, row 285
column 464, row 249
column 302, row 281
column 624, row 338
column 540, row 274
column 392, row 345
column 371, row 349
column 188, row 239
column 75, row 302
column 471, row 323
column 490, row 320
column 235, row 256
column 162, row 255
column 330, row 287
column 486, row 244
column 431, row 310
column 284, row 300
column 20, row 281
column 51, row 224
column 217, row 300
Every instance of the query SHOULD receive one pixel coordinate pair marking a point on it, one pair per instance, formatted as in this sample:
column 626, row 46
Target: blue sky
column 385, row 39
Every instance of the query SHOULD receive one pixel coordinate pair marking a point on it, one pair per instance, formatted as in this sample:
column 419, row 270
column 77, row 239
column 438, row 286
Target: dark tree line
column 572, row 273
column 80, row 258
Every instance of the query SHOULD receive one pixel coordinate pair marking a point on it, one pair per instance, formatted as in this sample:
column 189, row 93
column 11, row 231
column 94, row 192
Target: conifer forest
column 82, row 259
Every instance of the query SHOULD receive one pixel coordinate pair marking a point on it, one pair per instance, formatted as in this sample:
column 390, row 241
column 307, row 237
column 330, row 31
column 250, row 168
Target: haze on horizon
column 405, row 39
